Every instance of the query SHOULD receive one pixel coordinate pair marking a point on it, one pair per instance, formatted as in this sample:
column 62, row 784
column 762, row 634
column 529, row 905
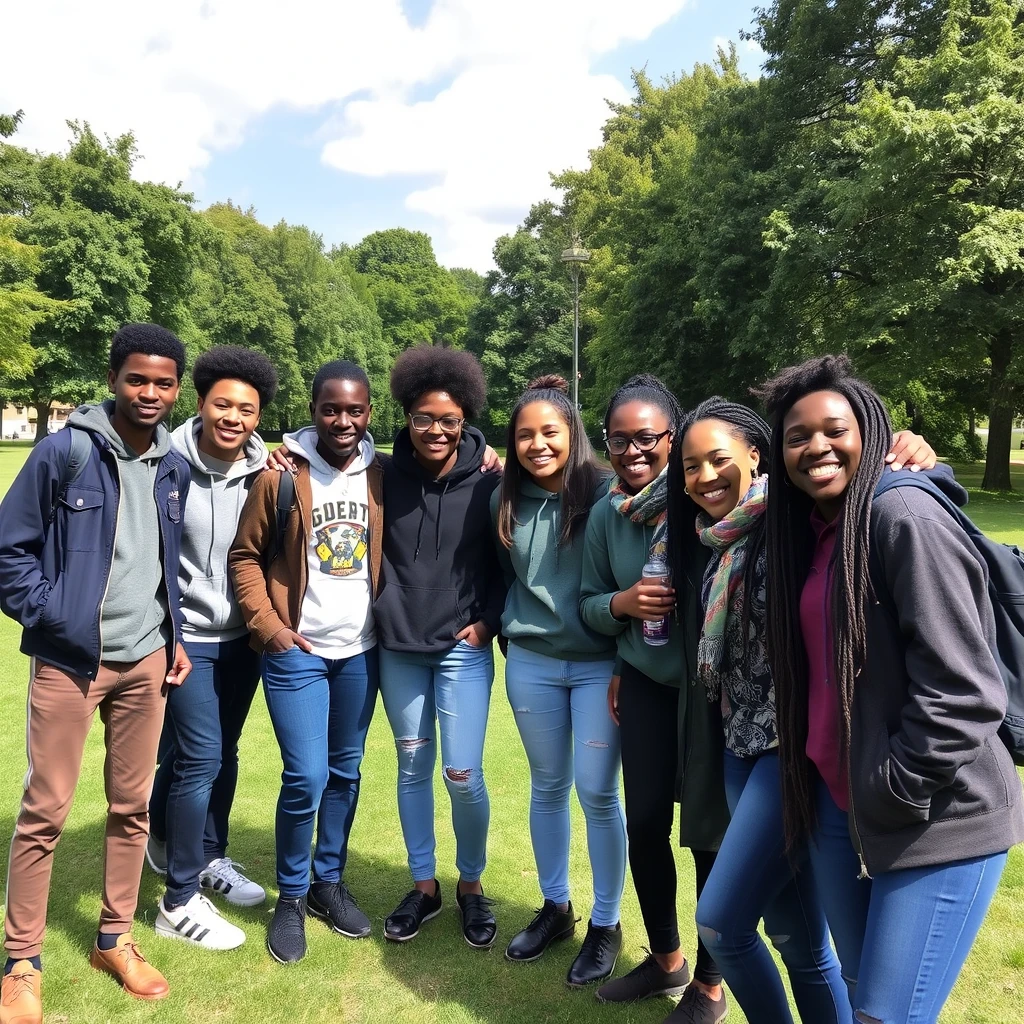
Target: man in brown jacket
column 310, row 615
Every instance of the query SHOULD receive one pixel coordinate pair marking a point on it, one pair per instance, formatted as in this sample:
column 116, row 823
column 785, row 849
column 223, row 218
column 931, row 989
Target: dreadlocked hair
column 683, row 542
column 645, row 387
column 790, row 547
column 580, row 476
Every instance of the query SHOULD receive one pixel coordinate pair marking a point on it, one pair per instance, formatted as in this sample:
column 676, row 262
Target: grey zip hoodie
column 209, row 611
column 133, row 618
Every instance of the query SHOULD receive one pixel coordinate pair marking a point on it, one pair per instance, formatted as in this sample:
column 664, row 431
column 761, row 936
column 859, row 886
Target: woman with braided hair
column 889, row 698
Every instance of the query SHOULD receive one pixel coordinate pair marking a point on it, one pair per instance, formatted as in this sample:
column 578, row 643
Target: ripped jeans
column 561, row 710
column 453, row 689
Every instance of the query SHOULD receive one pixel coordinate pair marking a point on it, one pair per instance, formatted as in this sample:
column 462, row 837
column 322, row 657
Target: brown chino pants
column 60, row 711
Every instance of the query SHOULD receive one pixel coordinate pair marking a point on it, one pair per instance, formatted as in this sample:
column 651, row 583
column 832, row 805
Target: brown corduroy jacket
column 271, row 596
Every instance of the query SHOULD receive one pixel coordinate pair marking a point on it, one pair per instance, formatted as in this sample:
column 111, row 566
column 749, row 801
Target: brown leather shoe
column 126, row 963
column 20, row 1001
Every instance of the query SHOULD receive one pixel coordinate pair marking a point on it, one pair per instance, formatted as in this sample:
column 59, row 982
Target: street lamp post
column 575, row 258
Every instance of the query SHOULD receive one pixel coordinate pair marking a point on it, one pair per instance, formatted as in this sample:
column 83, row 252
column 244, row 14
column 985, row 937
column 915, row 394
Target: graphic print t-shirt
column 336, row 610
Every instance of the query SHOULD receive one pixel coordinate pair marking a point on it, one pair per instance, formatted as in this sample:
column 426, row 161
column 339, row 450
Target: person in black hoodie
column 437, row 610
column 889, row 697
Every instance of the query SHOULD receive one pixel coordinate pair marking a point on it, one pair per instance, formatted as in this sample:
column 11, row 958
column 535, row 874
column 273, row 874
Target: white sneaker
column 156, row 856
column 198, row 922
column 223, row 877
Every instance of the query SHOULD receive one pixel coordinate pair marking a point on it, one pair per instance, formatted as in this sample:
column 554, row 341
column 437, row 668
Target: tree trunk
column 1000, row 414
column 42, row 418
column 972, row 424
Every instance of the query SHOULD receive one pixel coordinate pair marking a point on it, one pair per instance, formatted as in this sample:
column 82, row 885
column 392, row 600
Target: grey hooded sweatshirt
column 209, row 611
column 133, row 618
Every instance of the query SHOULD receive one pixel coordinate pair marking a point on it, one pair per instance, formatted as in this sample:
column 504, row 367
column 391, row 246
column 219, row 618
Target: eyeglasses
column 422, row 422
column 644, row 442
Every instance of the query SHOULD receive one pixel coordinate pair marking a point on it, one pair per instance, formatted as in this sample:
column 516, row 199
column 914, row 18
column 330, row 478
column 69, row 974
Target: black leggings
column 648, row 730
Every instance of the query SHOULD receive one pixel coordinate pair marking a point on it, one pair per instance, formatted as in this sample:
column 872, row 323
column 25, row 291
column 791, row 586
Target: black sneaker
column 645, row 980
column 596, row 958
column 696, row 1008
column 404, row 922
column 478, row 925
column 550, row 925
column 286, row 936
column 333, row 903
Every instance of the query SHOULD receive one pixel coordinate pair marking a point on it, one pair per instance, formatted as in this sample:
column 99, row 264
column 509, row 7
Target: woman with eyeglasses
column 663, row 721
column 437, row 610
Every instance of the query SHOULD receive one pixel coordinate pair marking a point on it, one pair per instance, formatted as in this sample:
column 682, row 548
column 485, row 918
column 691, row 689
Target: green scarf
column 648, row 507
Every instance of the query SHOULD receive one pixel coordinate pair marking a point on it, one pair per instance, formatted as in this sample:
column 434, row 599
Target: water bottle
column 656, row 630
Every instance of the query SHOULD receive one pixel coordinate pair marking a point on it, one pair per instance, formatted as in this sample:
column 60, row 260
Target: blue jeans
column 561, row 711
column 321, row 711
column 195, row 784
column 903, row 936
column 453, row 687
column 753, row 878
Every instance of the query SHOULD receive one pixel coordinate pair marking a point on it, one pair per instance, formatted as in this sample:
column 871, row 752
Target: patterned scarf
column 725, row 597
column 648, row 507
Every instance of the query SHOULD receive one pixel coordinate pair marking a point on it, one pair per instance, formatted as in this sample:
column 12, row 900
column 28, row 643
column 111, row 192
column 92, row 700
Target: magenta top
column 822, row 695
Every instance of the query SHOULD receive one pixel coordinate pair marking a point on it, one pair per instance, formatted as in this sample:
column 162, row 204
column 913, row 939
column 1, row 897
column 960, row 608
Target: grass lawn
column 437, row 977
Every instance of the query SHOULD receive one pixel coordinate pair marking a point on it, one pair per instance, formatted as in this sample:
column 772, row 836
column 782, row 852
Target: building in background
column 18, row 422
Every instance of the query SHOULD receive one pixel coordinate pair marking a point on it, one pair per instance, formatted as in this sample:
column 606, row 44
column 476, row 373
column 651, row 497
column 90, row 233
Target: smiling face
column 542, row 444
column 718, row 467
column 437, row 445
column 822, row 447
column 341, row 414
column 641, row 421
column 145, row 389
column 230, row 412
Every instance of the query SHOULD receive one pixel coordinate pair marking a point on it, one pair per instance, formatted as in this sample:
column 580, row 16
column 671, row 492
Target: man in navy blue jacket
column 89, row 567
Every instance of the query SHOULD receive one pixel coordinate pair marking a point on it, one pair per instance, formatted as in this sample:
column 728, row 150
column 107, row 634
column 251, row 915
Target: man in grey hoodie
column 195, row 784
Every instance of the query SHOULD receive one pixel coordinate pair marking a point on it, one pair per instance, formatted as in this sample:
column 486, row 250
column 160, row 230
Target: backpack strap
column 78, row 455
column 285, row 501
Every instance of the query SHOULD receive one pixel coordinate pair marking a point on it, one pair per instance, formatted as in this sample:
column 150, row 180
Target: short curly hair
column 425, row 368
column 146, row 340
column 339, row 369
column 232, row 362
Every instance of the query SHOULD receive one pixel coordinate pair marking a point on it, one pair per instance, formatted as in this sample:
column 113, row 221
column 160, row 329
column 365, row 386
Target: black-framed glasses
column 645, row 441
column 422, row 422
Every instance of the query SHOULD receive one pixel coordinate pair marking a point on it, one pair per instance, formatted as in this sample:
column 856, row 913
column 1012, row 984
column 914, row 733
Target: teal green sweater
column 614, row 552
column 542, row 610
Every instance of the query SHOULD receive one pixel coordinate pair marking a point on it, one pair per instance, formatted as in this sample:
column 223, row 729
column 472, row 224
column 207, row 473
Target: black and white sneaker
column 198, row 922
column 333, row 903
column 417, row 907
column 223, row 877
column 286, row 936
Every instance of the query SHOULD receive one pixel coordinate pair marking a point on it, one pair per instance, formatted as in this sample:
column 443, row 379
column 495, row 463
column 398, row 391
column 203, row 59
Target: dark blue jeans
column 195, row 783
column 321, row 711
column 902, row 936
column 753, row 878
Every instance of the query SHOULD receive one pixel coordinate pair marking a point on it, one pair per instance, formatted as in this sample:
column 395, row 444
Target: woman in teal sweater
column 557, row 672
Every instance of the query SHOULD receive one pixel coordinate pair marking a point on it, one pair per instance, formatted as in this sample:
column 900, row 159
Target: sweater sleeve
column 598, row 585
column 956, row 698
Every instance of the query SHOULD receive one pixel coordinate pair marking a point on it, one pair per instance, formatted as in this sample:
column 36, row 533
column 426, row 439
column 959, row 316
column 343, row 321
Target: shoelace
column 410, row 904
column 692, row 1004
column 21, row 983
column 207, row 905
column 645, row 965
column 130, row 953
column 476, row 907
column 229, row 870
column 597, row 940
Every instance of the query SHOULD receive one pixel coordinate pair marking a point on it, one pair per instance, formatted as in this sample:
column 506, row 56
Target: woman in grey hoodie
column 195, row 783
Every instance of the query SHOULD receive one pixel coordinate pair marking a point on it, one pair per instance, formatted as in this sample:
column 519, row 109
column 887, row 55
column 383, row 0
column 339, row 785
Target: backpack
column 78, row 456
column 285, row 501
column 1005, row 564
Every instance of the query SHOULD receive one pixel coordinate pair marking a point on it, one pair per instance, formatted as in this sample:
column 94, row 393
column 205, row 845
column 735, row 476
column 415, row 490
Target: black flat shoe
column 478, row 925
column 597, row 956
column 417, row 907
column 550, row 925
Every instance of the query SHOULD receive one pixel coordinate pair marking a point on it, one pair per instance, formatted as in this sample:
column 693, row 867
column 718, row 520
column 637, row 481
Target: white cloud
column 189, row 77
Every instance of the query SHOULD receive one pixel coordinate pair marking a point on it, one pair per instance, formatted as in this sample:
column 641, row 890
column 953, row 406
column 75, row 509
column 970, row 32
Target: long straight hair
column 790, row 547
column 580, row 477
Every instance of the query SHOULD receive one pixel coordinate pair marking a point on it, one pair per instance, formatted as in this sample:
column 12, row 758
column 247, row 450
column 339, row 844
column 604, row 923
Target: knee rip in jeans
column 460, row 776
column 411, row 743
column 596, row 744
column 865, row 1018
column 778, row 941
column 708, row 934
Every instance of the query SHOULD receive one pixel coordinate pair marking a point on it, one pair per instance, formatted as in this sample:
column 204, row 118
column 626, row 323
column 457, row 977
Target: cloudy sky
column 440, row 115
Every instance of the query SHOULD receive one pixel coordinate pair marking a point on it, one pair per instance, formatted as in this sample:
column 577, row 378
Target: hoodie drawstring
column 440, row 509
column 437, row 521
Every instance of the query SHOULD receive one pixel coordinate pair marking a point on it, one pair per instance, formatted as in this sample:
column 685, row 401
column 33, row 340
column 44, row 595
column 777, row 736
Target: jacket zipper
column 106, row 582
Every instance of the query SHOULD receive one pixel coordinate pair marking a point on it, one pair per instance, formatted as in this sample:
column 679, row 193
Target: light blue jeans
column 452, row 688
column 561, row 710
column 903, row 936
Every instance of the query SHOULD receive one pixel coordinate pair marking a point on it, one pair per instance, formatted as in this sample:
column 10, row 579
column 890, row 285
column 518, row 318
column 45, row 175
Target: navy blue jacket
column 53, row 574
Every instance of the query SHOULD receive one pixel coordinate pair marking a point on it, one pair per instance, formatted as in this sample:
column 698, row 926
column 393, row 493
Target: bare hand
column 613, row 698
column 279, row 461
column 476, row 634
column 910, row 450
column 646, row 599
column 285, row 639
column 492, row 461
column 180, row 669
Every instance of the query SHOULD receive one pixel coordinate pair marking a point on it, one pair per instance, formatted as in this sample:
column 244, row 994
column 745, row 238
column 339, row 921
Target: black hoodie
column 440, row 570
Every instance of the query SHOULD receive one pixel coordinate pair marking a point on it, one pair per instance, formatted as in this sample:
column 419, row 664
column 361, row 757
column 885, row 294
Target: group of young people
column 806, row 669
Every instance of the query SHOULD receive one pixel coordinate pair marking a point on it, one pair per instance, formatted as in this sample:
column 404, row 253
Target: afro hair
column 339, row 369
column 231, row 362
column 147, row 340
column 425, row 368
